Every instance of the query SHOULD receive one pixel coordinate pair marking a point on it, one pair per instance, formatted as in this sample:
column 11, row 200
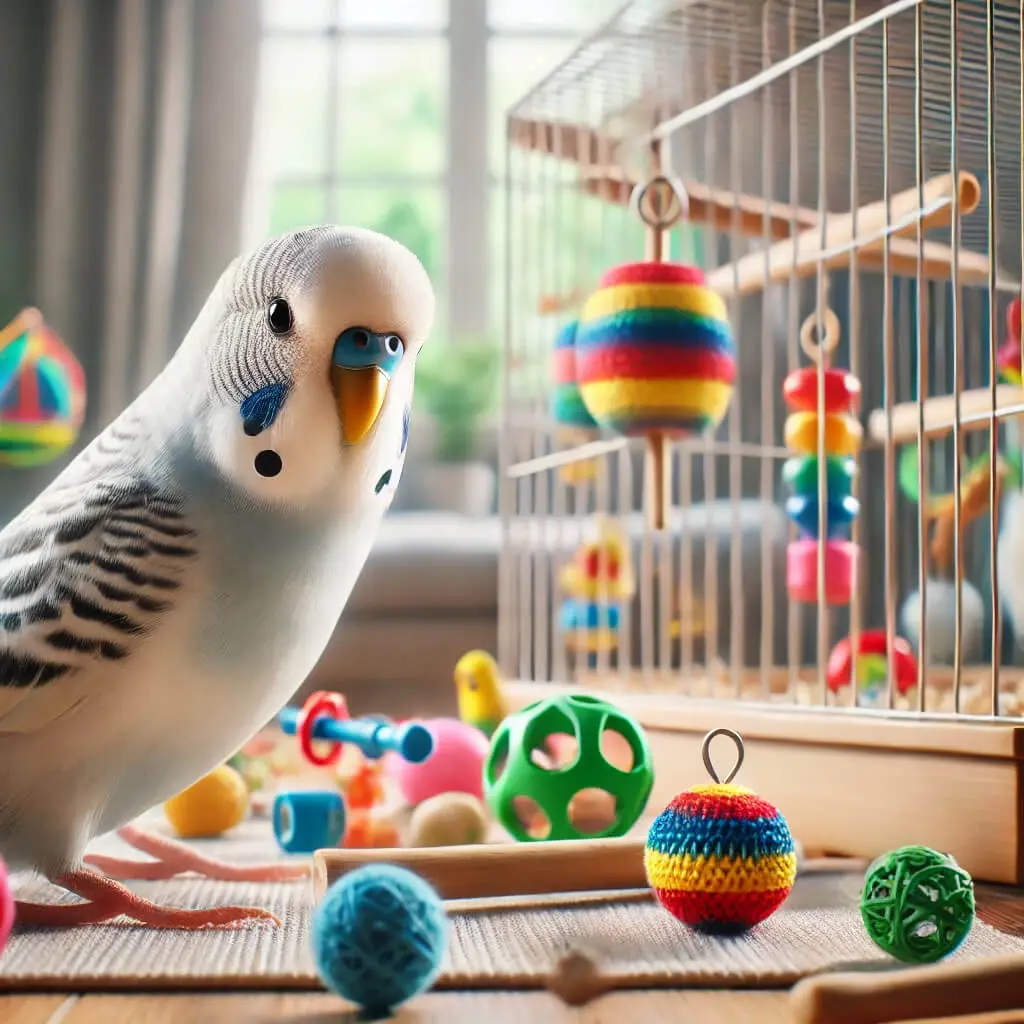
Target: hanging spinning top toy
column 719, row 857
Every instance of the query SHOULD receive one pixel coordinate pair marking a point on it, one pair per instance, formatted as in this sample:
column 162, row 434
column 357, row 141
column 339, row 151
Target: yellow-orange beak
column 359, row 393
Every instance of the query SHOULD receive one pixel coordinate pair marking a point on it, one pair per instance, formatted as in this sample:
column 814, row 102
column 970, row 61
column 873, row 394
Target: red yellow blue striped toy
column 42, row 392
column 655, row 352
column 719, row 858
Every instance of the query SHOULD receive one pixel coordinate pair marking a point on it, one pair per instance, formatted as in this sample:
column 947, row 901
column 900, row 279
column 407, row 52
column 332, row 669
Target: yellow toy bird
column 479, row 686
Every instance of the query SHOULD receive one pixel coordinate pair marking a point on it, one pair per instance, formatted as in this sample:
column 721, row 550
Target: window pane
column 298, row 14
column 393, row 96
column 291, row 123
column 404, row 14
column 577, row 16
column 516, row 65
column 296, row 206
column 413, row 215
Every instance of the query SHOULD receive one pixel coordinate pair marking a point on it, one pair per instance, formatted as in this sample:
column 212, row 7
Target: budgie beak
column 361, row 368
column 360, row 393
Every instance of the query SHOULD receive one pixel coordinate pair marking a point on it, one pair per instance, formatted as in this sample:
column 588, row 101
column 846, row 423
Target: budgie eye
column 394, row 345
column 279, row 316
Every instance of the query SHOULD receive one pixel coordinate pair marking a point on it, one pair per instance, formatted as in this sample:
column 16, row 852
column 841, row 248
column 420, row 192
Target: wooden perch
column 719, row 208
column 803, row 254
column 715, row 208
column 937, row 991
column 502, row 869
column 975, row 406
column 573, row 142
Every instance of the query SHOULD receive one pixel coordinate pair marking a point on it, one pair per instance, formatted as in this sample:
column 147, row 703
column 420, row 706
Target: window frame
column 466, row 184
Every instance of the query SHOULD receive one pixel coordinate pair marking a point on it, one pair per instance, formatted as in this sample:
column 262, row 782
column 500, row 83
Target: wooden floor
column 438, row 1008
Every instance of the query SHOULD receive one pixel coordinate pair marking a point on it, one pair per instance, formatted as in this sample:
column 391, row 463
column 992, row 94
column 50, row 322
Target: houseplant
column 456, row 386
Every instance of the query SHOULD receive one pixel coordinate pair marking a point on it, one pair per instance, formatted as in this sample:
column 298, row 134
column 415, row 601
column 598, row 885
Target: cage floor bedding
column 633, row 942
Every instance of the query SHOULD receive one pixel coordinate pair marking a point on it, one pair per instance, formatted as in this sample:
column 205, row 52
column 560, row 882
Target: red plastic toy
column 839, row 672
column 320, row 703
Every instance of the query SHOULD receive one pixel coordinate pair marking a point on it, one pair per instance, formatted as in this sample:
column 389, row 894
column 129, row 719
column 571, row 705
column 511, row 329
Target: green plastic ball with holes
column 917, row 904
column 524, row 762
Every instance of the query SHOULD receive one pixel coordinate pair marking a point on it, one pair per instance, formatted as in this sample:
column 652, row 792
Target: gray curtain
column 126, row 128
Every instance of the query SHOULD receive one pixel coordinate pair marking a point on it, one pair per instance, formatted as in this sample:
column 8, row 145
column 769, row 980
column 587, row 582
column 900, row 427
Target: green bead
column 800, row 474
column 917, row 904
column 511, row 771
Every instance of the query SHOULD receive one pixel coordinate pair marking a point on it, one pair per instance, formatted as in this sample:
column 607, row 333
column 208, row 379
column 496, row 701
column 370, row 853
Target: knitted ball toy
column 42, row 392
column 379, row 937
column 917, row 904
column 6, row 907
column 718, row 857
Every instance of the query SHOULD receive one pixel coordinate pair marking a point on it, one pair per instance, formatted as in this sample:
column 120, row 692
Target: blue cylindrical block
column 839, row 514
column 306, row 820
column 373, row 736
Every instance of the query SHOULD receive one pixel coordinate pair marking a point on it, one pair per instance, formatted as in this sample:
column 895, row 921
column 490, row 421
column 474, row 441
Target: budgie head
column 301, row 367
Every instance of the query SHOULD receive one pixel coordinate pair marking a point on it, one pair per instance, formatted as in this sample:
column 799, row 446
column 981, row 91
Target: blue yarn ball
column 379, row 936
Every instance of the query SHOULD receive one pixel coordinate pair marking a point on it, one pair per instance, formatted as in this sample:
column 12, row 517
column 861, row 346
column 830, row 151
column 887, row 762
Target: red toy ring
column 320, row 703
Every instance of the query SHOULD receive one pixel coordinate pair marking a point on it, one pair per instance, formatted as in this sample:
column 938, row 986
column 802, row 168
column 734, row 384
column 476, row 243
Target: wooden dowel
column 975, row 406
column 658, row 480
column 503, row 869
column 939, row 990
column 803, row 254
column 718, row 208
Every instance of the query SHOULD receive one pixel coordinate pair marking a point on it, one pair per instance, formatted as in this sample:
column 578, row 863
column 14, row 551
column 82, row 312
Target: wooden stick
column 938, row 990
column 724, row 210
column 975, row 406
column 503, row 869
column 801, row 255
column 716, row 207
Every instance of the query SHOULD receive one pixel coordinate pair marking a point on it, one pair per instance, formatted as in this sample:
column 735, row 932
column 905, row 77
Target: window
column 390, row 114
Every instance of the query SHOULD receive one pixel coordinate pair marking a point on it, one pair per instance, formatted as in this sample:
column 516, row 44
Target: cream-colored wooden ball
column 448, row 819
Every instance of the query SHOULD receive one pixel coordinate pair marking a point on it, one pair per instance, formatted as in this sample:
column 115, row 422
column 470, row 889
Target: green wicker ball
column 917, row 904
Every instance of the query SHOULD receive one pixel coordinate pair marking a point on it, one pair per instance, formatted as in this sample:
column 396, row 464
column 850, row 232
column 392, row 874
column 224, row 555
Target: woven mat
column 635, row 943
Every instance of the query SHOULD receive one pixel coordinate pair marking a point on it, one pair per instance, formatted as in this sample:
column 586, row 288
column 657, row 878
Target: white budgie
column 168, row 592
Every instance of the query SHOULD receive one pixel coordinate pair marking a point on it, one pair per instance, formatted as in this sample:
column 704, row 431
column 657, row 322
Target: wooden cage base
column 850, row 782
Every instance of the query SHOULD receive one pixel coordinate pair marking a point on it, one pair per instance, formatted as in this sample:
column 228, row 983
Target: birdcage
column 791, row 509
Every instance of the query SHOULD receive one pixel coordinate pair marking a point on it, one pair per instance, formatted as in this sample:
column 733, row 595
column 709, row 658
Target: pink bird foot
column 107, row 899
column 173, row 858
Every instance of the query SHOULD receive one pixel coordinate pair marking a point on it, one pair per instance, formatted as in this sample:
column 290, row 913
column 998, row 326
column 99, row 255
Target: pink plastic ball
column 6, row 907
column 455, row 766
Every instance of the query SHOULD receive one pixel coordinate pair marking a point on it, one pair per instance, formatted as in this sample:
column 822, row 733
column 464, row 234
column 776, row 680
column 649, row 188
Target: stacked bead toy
column 718, row 857
column 1008, row 356
column 802, row 473
column 42, row 392
column 655, row 356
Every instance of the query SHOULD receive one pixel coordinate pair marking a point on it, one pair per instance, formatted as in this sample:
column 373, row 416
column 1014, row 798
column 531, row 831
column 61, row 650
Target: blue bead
column 803, row 510
column 589, row 615
column 308, row 819
column 379, row 936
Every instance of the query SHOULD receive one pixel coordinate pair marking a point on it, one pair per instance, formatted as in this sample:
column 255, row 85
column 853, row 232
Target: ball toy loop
column 320, row 703
column 660, row 203
column 828, row 329
column 705, row 753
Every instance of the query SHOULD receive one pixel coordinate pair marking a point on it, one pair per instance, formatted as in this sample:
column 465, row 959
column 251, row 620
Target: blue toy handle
column 373, row 736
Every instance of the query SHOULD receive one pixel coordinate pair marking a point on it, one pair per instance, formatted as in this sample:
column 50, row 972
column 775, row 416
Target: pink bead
column 6, row 907
column 455, row 766
column 840, row 571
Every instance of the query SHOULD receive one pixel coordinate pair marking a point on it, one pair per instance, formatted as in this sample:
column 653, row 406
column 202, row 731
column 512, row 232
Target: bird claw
column 173, row 858
column 107, row 899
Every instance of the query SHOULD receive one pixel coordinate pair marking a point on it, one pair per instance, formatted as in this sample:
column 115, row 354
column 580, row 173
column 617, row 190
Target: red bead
column 320, row 703
column 842, row 390
column 1013, row 319
column 652, row 273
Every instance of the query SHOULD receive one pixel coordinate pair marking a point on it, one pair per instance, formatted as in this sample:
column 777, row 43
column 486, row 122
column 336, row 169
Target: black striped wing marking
column 85, row 572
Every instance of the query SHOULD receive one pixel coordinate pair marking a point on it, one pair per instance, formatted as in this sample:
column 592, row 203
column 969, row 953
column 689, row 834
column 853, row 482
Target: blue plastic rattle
column 325, row 717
